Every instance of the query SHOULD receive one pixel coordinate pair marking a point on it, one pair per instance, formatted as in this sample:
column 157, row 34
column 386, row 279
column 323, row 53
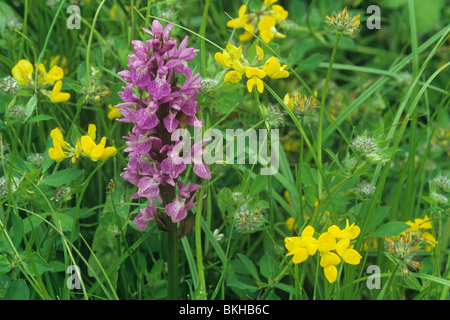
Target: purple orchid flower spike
column 160, row 97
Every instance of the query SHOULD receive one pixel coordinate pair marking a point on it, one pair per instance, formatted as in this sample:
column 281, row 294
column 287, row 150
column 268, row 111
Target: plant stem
column 88, row 50
column 322, row 106
column 198, row 245
column 173, row 279
column 202, row 39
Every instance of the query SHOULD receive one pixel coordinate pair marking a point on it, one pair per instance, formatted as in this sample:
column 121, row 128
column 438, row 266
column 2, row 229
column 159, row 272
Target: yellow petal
column 22, row 71
column 233, row 77
column 259, row 53
column 241, row 20
column 97, row 151
column 428, row 237
column 278, row 13
column 351, row 256
column 233, row 51
column 308, row 232
column 292, row 243
column 237, row 65
column 289, row 101
column 254, row 72
column 352, row 231
column 269, row 2
column 290, row 223
column 266, row 23
column 259, row 85
column 336, row 231
column 300, row 255
column 330, row 273
column 310, row 244
column 54, row 74
column 114, row 113
column 78, row 149
column 56, row 153
column 224, row 59
column 250, row 84
column 87, row 144
column 329, row 258
column 56, row 95
column 58, row 138
column 326, row 242
column 342, row 245
column 274, row 69
column 92, row 131
column 108, row 152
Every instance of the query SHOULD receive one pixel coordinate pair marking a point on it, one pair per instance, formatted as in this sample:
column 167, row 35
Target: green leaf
column 29, row 108
column 17, row 290
column 310, row 63
column 41, row 117
column 5, row 265
column 233, row 282
column 41, row 265
column 259, row 184
column 62, row 177
column 249, row 266
column 390, row 229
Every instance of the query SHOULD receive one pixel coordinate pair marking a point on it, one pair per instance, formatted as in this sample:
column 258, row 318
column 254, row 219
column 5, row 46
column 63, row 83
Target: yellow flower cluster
column 263, row 21
column 85, row 146
column 23, row 73
column 232, row 58
column 418, row 231
column 333, row 246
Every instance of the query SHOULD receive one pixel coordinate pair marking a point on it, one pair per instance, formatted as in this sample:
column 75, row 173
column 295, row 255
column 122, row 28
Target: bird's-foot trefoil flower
column 85, row 147
column 24, row 72
column 262, row 22
column 254, row 71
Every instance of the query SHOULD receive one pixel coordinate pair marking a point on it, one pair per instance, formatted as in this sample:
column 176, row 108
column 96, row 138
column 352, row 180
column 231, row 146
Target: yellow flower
column 248, row 33
column 326, row 242
column 274, row 69
column 278, row 13
column 262, row 21
column 96, row 151
column 334, row 245
column 328, row 261
column 269, row 2
column 56, row 95
column 290, row 223
column 348, row 254
column 57, row 153
column 418, row 228
column 254, row 76
column 85, row 146
column 57, row 136
column 240, row 20
column 114, row 112
column 265, row 26
column 302, row 247
column 54, row 74
column 22, row 72
column 233, row 77
column 224, row 59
